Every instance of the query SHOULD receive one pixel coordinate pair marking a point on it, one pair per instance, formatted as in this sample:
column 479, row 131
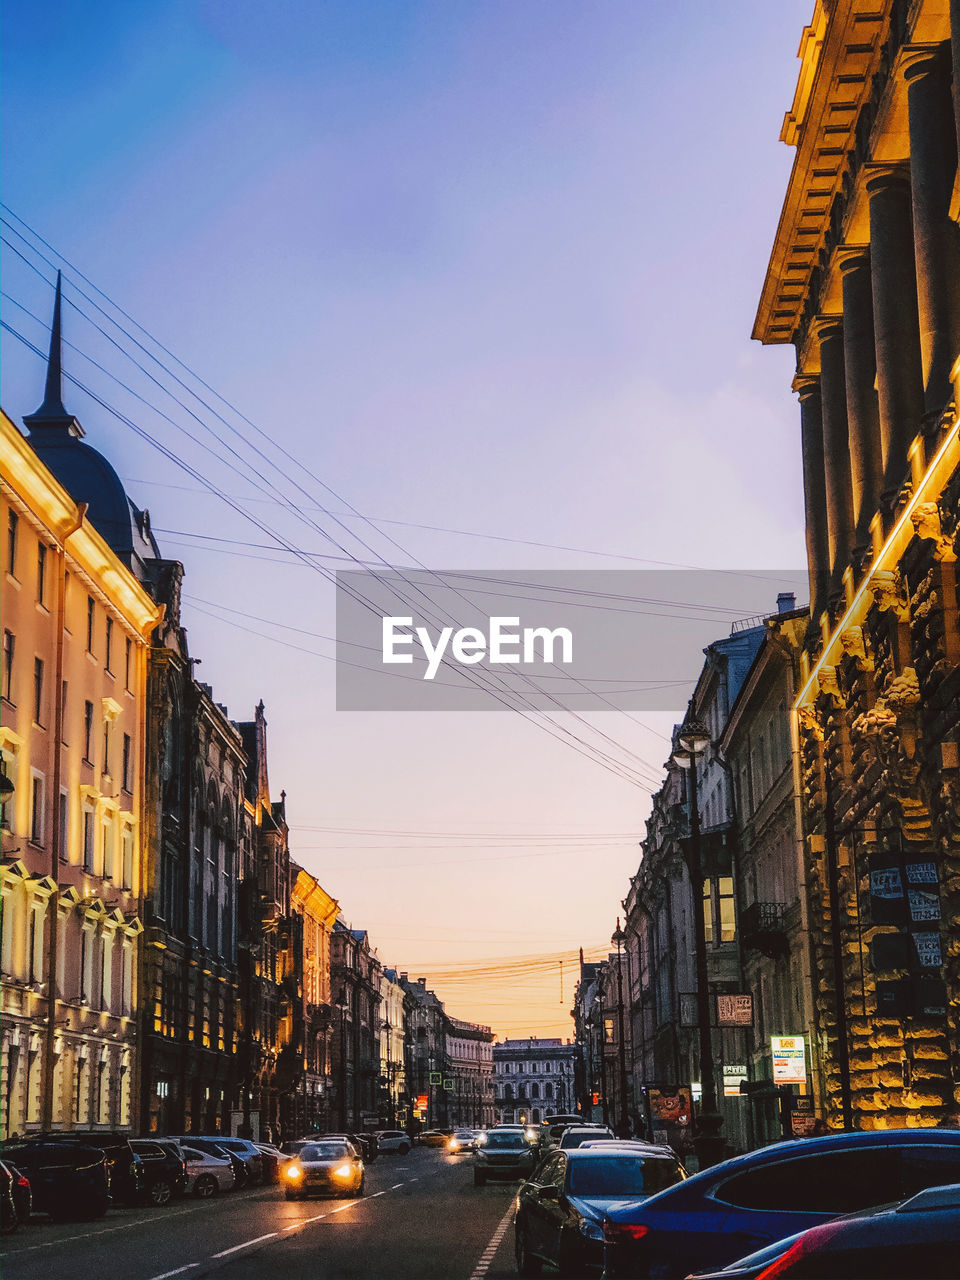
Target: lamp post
column 342, row 1006
column 693, row 741
column 623, row 1122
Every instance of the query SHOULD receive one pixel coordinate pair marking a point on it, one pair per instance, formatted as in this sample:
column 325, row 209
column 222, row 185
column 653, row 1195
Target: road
column 420, row 1218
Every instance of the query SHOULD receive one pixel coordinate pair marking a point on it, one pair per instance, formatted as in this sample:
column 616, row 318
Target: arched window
column 508, row 1092
column 548, row 1090
column 534, row 1091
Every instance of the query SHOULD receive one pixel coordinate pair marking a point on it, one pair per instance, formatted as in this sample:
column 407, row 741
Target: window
column 106, row 746
column 109, row 835
column 63, row 711
column 929, row 1166
column 707, row 911
column 5, row 764
column 64, row 824
column 127, row 784
column 36, row 808
column 41, row 572
column 88, row 732
column 831, row 1182
column 126, row 847
column 726, row 911
column 88, row 840
column 108, row 647
column 91, row 607
column 9, row 644
column 38, row 691
column 127, row 656
column 13, row 521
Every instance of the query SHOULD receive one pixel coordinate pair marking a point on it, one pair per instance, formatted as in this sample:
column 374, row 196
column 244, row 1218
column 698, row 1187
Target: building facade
column 76, row 627
column 428, row 1064
column 318, row 912
column 864, row 281
column 533, row 1079
column 470, row 1055
column 394, row 1008
column 356, row 980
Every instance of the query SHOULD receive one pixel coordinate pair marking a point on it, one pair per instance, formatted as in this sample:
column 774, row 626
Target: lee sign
column 789, row 1059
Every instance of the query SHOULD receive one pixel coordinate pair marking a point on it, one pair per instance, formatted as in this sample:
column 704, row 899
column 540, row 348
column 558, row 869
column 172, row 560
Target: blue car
column 743, row 1204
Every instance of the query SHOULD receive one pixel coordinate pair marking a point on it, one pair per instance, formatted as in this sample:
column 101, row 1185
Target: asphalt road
column 420, row 1218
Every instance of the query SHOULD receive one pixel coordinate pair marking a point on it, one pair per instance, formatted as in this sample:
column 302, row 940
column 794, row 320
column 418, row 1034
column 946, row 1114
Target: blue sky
column 490, row 266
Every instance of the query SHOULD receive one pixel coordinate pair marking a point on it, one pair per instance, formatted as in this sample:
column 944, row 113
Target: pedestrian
column 819, row 1128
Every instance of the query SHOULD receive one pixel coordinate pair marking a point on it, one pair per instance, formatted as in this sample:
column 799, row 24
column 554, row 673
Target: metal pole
column 836, row 948
column 624, row 1120
column 708, row 1143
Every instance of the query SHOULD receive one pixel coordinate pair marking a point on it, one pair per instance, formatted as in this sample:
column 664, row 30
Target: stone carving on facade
column 927, row 524
column 887, row 589
column 854, row 646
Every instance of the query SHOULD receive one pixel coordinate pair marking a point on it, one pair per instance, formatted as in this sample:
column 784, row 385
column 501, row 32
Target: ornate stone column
column 933, row 163
column 863, row 414
column 895, row 322
column 836, row 448
column 955, row 59
column 807, row 387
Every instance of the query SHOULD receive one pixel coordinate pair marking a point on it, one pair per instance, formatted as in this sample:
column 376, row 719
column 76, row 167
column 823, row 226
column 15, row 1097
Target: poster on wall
column 789, row 1059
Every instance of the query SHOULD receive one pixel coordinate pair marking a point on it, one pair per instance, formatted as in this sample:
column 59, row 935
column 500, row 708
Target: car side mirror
column 549, row 1192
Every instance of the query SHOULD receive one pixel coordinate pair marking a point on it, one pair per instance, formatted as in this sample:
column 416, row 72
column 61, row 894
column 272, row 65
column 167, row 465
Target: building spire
column 52, row 413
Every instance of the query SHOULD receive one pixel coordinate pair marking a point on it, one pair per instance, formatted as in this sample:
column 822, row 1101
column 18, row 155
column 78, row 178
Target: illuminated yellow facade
column 76, row 625
column 864, row 280
column 317, row 912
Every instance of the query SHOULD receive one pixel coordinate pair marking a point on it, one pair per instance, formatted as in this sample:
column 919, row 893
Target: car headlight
column 481, row 1139
column 592, row 1230
column 344, row 1171
column 454, row 1144
column 294, row 1171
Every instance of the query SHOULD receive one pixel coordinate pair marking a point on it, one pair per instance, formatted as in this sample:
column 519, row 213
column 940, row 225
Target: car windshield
column 508, row 1140
column 318, row 1151
column 575, row 1137
column 624, row 1175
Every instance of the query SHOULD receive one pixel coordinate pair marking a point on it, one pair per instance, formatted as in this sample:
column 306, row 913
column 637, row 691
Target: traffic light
column 595, row 1098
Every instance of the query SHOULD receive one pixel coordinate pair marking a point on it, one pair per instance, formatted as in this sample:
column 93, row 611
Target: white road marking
column 88, row 1235
column 179, row 1271
column 489, row 1253
column 396, row 1185
column 247, row 1244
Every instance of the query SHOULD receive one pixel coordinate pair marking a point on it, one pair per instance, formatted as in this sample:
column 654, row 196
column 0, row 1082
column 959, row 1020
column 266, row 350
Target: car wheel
column 527, row 1264
column 403, row 1148
column 161, row 1192
column 205, row 1186
column 479, row 1178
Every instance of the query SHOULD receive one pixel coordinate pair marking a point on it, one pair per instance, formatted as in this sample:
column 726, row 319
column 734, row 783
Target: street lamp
column 693, row 740
column 623, row 1124
column 342, row 1006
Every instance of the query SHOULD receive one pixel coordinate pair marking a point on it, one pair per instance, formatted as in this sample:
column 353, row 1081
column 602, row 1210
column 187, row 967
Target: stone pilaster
column 836, row 448
column 933, row 163
column 807, row 388
column 895, row 319
column 863, row 412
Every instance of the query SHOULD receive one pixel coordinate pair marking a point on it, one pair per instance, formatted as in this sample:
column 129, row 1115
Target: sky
column 483, row 268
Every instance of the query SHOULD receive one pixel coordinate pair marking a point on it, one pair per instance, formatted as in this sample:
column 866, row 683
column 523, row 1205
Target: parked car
column 273, row 1161
column 207, row 1173
column 505, row 1154
column 365, row 1143
column 575, row 1134
column 213, row 1147
column 562, row 1210
column 66, row 1179
column 9, row 1217
column 22, row 1193
column 125, row 1170
column 326, row 1165
column 248, row 1152
column 743, row 1204
column 164, row 1169
column 914, row 1240
column 461, row 1141
column 393, row 1140
column 553, row 1128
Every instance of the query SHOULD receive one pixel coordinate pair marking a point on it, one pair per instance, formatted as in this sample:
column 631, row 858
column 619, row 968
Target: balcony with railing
column 763, row 928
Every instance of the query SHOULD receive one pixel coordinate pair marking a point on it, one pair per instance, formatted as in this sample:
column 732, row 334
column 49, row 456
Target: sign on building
column 789, row 1059
column 735, row 1010
column 733, row 1073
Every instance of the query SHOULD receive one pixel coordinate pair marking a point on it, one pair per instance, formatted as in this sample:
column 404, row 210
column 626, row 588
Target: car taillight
column 621, row 1232
column 808, row 1243
column 22, row 1182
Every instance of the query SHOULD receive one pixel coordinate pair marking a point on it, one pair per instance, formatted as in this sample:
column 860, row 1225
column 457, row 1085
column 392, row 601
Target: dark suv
column 66, row 1179
column 126, row 1173
column 164, row 1169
